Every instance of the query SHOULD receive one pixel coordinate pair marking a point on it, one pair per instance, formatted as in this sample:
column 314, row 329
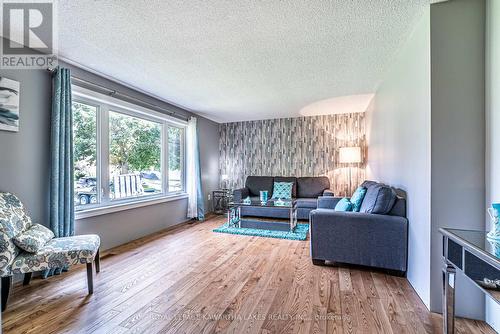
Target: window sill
column 116, row 207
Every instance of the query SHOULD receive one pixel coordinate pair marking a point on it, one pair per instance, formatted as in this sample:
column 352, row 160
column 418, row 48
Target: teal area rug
column 299, row 234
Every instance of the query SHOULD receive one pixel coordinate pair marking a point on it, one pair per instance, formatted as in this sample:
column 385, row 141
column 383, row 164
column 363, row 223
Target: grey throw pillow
column 33, row 238
column 379, row 199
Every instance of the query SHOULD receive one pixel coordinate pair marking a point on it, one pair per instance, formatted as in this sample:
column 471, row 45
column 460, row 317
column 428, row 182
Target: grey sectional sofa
column 306, row 191
column 377, row 236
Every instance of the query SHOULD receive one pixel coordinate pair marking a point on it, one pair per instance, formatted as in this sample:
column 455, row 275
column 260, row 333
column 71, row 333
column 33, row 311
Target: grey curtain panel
column 62, row 209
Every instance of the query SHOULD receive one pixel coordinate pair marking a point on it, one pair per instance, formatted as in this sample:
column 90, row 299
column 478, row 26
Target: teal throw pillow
column 282, row 190
column 344, row 205
column 357, row 198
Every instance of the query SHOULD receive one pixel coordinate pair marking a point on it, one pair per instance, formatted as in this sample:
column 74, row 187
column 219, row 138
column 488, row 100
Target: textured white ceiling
column 241, row 59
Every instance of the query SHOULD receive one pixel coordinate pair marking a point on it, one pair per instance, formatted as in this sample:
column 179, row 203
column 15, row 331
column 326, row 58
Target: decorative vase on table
column 264, row 195
column 494, row 212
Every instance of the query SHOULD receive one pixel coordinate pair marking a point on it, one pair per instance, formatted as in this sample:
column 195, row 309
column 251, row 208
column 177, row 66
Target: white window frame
column 105, row 104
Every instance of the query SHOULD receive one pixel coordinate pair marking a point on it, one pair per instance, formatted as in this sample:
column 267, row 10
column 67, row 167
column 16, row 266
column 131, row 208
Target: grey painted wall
column 398, row 135
column 24, row 159
column 426, row 135
column 122, row 226
column 458, row 143
column 24, row 164
column 208, row 133
column 492, row 127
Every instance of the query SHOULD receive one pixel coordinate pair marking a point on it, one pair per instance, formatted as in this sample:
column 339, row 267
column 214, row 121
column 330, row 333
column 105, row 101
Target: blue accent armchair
column 56, row 253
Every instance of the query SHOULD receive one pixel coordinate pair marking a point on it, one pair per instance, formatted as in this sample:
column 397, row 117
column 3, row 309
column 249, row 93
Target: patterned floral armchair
column 56, row 253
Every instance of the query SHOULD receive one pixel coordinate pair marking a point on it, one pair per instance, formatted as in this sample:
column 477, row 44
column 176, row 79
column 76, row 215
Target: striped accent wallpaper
column 304, row 146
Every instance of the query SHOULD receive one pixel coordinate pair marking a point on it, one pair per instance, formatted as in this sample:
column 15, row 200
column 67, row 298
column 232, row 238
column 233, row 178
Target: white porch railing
column 127, row 185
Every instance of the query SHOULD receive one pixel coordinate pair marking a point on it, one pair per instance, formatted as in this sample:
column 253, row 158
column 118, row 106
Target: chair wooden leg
column 90, row 278
column 6, row 286
column 27, row 278
column 97, row 261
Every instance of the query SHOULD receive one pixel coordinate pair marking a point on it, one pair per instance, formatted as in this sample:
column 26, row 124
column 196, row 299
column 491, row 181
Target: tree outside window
column 85, row 153
column 134, row 156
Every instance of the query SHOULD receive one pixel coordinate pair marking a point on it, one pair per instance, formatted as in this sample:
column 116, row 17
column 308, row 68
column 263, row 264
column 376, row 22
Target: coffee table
column 235, row 219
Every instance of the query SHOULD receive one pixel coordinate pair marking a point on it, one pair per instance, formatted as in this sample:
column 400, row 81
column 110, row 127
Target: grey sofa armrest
column 342, row 217
column 328, row 202
column 328, row 192
column 359, row 238
column 239, row 194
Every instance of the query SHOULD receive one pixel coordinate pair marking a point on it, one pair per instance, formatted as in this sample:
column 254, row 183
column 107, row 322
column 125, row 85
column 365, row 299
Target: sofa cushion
column 399, row 208
column 311, row 203
column 312, row 187
column 58, row 253
column 344, row 205
column 368, row 183
column 357, row 198
column 282, row 190
column 33, row 238
column 288, row 179
column 257, row 183
column 328, row 192
column 379, row 199
column 328, row 202
column 303, row 213
column 240, row 194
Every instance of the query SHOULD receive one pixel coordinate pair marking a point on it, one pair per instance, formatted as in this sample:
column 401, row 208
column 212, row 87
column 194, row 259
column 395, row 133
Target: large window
column 124, row 153
column 85, row 148
column 134, row 156
column 175, row 156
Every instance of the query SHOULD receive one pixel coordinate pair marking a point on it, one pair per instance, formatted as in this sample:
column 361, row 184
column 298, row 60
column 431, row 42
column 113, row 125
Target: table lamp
column 224, row 179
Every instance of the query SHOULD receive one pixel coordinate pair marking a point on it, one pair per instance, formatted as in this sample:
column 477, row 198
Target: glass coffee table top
column 270, row 203
column 289, row 223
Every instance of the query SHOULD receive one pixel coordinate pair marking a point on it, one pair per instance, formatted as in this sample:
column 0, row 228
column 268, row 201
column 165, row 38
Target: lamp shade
column 350, row 155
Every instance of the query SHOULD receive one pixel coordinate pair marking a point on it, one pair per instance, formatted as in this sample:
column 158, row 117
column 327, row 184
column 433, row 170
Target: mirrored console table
column 478, row 258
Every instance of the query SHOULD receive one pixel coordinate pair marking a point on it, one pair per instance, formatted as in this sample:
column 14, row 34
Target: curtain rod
column 113, row 93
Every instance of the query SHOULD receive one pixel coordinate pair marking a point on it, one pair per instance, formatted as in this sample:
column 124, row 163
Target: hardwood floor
column 191, row 280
